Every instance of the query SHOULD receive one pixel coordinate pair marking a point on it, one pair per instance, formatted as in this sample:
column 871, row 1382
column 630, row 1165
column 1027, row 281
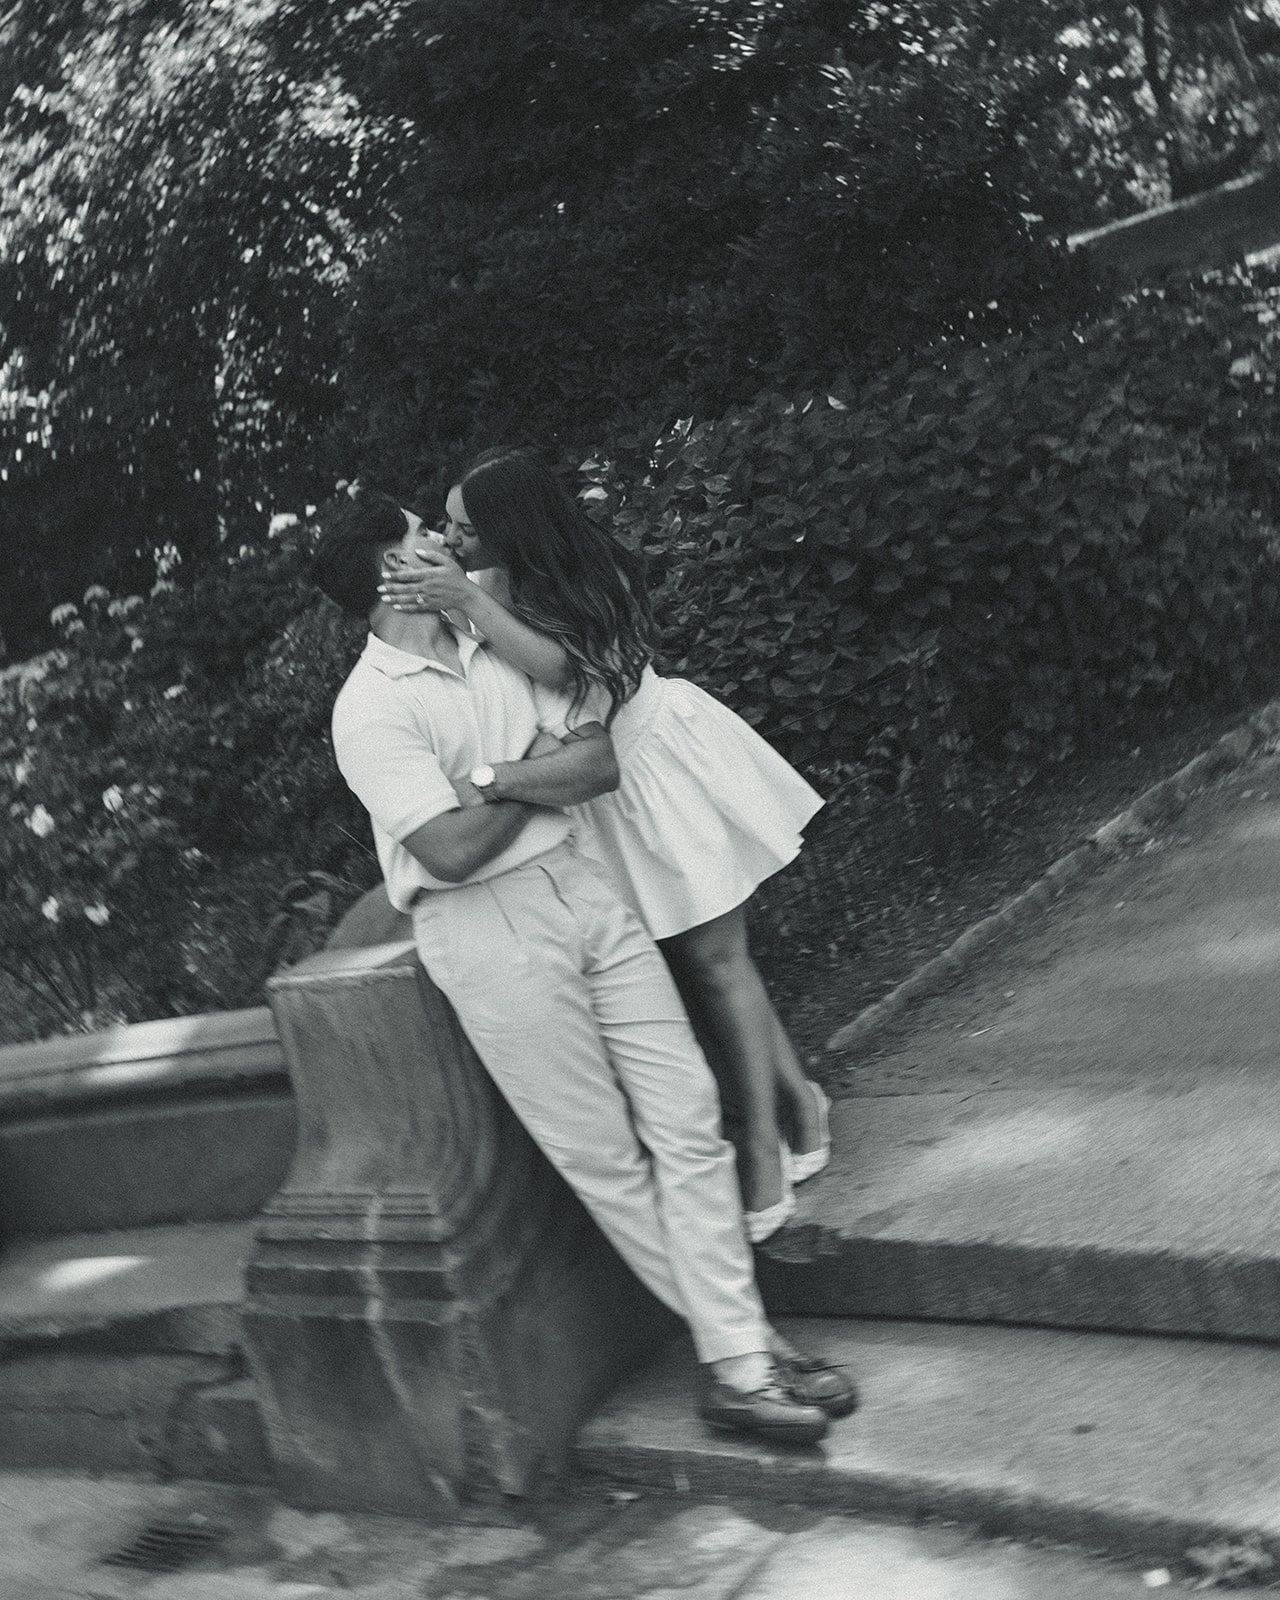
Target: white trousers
column 570, row 1007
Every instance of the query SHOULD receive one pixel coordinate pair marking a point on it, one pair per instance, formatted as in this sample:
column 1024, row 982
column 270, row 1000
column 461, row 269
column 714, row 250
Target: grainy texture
column 864, row 905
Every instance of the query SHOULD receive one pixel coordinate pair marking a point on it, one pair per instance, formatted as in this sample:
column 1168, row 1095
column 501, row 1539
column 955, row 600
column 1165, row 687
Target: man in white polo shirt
column 564, row 996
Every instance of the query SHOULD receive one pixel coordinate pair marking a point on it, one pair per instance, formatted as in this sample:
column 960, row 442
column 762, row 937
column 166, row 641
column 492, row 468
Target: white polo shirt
column 404, row 725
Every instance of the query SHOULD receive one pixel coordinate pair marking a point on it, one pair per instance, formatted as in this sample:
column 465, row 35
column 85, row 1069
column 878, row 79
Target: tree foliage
column 249, row 247
column 634, row 212
column 178, row 224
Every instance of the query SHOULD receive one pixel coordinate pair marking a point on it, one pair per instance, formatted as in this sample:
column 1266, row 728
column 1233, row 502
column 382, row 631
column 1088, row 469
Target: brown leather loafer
column 815, row 1382
column 770, row 1413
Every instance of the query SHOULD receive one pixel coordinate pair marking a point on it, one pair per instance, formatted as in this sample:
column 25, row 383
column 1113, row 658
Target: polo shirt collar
column 393, row 662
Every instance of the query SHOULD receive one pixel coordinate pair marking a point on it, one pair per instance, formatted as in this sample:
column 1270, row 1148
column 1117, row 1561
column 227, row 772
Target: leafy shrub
column 165, row 777
column 94, row 867
column 1045, row 527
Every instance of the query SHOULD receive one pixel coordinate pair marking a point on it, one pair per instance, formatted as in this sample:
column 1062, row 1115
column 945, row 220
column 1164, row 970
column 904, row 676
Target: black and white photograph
column 639, row 799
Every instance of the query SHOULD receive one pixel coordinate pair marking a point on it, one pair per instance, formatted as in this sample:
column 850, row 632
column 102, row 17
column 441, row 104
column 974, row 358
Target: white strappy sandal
column 809, row 1163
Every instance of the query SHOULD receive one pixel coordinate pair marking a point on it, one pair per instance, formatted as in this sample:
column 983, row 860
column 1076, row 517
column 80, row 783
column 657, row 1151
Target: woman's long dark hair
column 569, row 578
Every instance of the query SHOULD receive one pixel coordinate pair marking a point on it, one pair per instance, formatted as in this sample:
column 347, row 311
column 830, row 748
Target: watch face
column 482, row 777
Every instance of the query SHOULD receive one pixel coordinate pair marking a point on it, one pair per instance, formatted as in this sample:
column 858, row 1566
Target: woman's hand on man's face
column 433, row 582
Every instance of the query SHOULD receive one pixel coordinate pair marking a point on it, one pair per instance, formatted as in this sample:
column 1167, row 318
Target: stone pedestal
column 430, row 1313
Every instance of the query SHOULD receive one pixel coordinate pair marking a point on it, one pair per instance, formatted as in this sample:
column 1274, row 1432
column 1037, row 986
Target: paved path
column 55, row 1530
column 1084, row 1130
column 1159, row 971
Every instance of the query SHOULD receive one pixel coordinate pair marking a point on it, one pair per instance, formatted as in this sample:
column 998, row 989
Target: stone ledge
column 1235, row 221
column 231, row 1051
column 189, row 1118
column 99, row 1413
column 429, row 1311
column 120, row 1352
column 217, row 1434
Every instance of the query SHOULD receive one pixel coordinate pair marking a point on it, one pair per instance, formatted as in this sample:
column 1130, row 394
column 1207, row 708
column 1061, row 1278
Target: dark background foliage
column 781, row 286
column 250, row 247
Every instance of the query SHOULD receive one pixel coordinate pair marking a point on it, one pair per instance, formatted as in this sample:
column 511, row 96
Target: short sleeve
column 391, row 771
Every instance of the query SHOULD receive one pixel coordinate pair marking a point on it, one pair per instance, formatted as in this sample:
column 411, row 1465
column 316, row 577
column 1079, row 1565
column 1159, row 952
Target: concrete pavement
column 1084, row 1129
column 1141, row 1446
column 56, row 1530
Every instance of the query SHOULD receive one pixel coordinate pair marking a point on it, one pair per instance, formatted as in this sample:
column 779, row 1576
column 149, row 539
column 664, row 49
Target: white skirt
column 704, row 811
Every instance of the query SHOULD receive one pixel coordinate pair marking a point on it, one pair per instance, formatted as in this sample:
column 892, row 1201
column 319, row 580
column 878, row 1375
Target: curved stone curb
column 1161, row 803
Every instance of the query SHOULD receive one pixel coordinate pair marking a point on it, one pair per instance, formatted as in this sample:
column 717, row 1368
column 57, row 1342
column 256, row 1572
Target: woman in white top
column 705, row 809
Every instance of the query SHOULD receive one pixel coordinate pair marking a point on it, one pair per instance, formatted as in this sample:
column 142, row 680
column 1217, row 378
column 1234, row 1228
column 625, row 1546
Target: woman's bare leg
column 716, row 975
column 802, row 1129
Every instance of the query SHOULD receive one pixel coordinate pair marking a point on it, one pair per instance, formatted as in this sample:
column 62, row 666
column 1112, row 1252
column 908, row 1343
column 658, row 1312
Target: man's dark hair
column 355, row 527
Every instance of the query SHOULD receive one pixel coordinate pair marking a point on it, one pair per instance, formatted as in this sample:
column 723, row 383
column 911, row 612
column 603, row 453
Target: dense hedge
column 987, row 553
column 1050, row 526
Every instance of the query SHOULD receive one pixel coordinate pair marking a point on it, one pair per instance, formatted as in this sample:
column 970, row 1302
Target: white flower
column 136, row 645
column 112, row 798
column 60, row 614
column 125, row 607
column 21, row 772
column 41, row 823
column 95, row 591
column 281, row 521
column 174, row 690
column 98, row 915
column 32, row 724
column 50, row 909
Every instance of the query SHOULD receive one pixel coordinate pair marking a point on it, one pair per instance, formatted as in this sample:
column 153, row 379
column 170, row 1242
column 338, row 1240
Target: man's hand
column 467, row 793
column 434, row 583
column 546, row 744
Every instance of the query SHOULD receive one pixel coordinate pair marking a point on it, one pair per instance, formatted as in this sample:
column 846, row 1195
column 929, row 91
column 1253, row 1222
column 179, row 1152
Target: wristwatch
column 483, row 778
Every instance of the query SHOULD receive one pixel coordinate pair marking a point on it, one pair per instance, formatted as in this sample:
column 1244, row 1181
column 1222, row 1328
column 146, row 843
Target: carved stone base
column 431, row 1313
